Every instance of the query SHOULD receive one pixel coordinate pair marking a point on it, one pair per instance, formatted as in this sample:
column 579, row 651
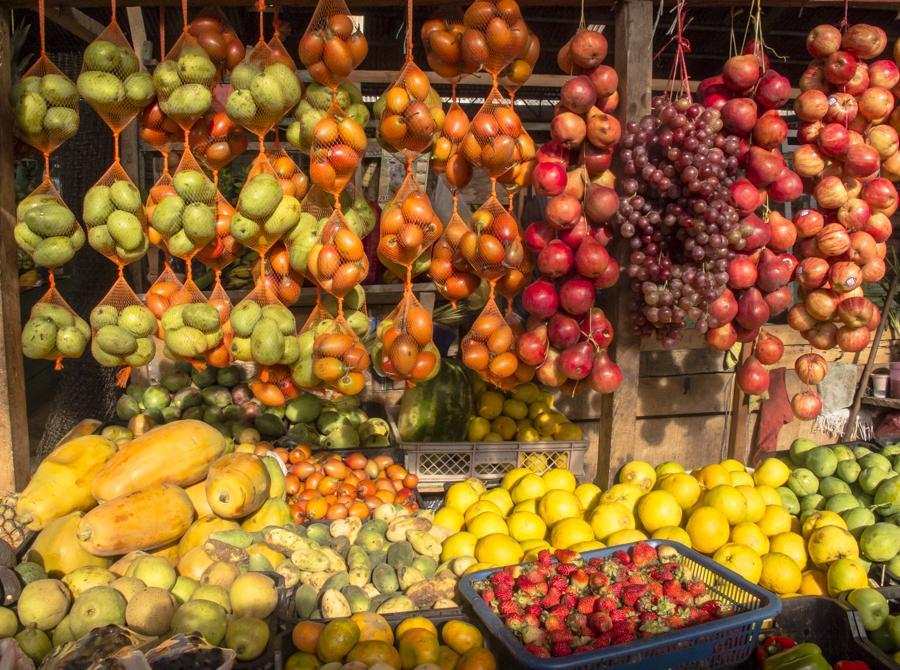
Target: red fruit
column 769, row 348
column 742, row 272
column 591, row 258
column 721, row 338
column 783, row 231
column 606, row 376
column 740, row 73
column 811, row 368
column 806, row 405
column 752, row 377
column 823, row 40
column 739, row 115
column 555, row 260
column 779, row 300
column 576, row 296
column 753, row 311
column 853, row 339
column 576, row 360
column 865, row 41
column 839, row 67
column 773, row 90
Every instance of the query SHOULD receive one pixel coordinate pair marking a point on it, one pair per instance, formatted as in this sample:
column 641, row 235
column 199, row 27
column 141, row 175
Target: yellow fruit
column 461, row 636
column 742, row 479
column 790, row 544
column 530, row 487
column 460, row 496
column 527, row 434
column 713, row 475
column 750, row 535
column 776, row 519
column 846, row 574
column 513, row 476
column 515, row 409
column 607, row 518
column 559, row 479
column 501, row 498
column 504, row 426
column 546, row 423
column 526, row 506
column 567, row 532
column 537, row 408
column 487, row 523
column 414, row 622
column 708, row 528
column 493, row 437
column 481, row 507
column 489, row 405
column 756, row 505
column 458, row 544
column 237, row 485
column 590, row 545
column 200, row 530
column 672, row 534
column 449, row 518
column 625, row 537
column 498, row 549
column 727, row 500
column 375, row 627
column 627, row 494
column 57, row 550
column 557, row 505
column 526, row 526
column 658, row 509
column 742, row 559
column 820, row 519
column 533, row 548
column 830, row 543
column 274, row 512
column 780, row 574
column 588, row 495
column 527, row 393
column 639, row 473
column 536, row 462
column 769, row 495
column 568, row 431
column 685, row 488
column 475, row 567
column 814, row 583
column 478, row 429
column 733, row 465
column 668, row 468
column 772, row 472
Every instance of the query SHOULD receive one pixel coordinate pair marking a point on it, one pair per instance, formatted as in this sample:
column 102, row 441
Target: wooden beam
column 76, row 22
column 633, row 62
column 14, row 456
column 138, row 32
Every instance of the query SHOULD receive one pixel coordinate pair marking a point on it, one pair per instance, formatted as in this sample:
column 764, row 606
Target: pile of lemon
column 721, row 510
column 525, row 414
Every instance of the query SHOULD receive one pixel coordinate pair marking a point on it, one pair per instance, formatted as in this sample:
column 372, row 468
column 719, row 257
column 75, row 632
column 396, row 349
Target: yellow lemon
column 639, row 473
column 512, row 477
column 589, row 545
column 480, row 507
column 727, row 500
column 790, row 544
column 625, row 537
column 658, row 509
column 772, row 472
column 500, row 497
column 749, row 534
column 546, row 423
column 780, row 574
column 567, row 532
column 489, row 404
column 814, row 583
column 476, row 484
column 478, row 428
column 461, row 496
column 756, row 505
column 743, row 560
column 498, row 549
column 531, row 545
column 776, row 519
column 831, row 543
column 673, row 534
column 568, row 431
column 559, row 479
column 685, row 488
column 668, row 468
column 769, row 495
column 708, row 528
column 487, row 523
column 742, row 479
column 557, row 505
column 414, row 622
column 627, row 494
column 527, row 434
column 733, row 465
column 820, row 519
column 526, row 526
column 530, row 487
column 846, row 574
column 450, row 518
column 588, row 495
column 607, row 518
column 713, row 475
column 526, row 506
column 458, row 544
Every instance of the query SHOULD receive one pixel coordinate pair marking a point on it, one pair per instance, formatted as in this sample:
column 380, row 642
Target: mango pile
column 183, row 84
column 186, row 215
column 114, row 217
column 264, row 212
column 262, row 94
column 111, row 80
column 52, row 332
column 122, row 337
column 46, row 109
column 47, row 230
column 264, row 334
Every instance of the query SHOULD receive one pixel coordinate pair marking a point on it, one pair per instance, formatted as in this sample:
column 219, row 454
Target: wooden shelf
column 892, row 403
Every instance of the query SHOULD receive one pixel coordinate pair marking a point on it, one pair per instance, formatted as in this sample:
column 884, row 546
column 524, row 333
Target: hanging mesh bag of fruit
column 165, row 292
column 337, row 262
column 332, row 360
column 446, row 158
column 277, row 276
column 512, row 283
column 355, row 310
column 122, row 331
column 158, row 130
column 54, row 331
column 409, row 113
column 451, row 273
column 514, row 75
column 492, row 246
column 519, row 176
column 332, row 47
column 442, row 37
column 216, row 140
column 489, row 347
column 223, row 248
column 194, row 330
column 263, row 330
column 293, row 180
column 315, row 209
column 408, row 226
column 218, row 39
column 404, row 349
column 316, row 101
column 496, row 141
column 495, row 35
column 46, row 229
column 114, row 217
column 338, row 145
column 357, row 211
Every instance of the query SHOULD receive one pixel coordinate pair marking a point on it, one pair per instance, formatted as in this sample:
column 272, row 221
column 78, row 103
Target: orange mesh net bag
column 122, row 330
column 264, row 211
column 194, row 330
column 514, row 75
column 451, row 273
column 408, row 226
column 496, row 140
column 159, row 130
column 315, row 210
column 519, row 176
column 263, row 330
column 166, row 291
column 338, row 145
column 218, row 39
column 355, row 311
column 114, row 217
column 492, row 246
column 442, row 37
column 46, row 229
column 489, row 347
column 495, row 34
column 316, row 101
column 409, row 112
column 404, row 350
column 332, row 47
column 54, row 331
column 332, row 358
column 223, row 248
column 446, row 158
column 277, row 275
column 293, row 180
column 216, row 140
column 337, row 261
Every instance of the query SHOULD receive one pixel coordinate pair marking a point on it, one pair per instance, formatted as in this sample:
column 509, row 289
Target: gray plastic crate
column 439, row 463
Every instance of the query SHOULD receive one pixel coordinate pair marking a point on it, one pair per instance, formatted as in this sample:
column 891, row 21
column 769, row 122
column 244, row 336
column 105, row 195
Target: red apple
column 808, row 222
column 839, row 67
column 842, row 108
column 823, row 40
column 884, row 73
column 830, row 192
column 854, row 214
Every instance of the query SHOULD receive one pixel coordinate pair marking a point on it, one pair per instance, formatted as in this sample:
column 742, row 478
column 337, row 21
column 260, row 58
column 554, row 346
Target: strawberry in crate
column 575, row 605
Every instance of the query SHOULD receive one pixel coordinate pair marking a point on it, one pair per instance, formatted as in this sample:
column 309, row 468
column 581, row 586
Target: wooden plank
column 691, row 440
column 14, row 456
column 685, row 394
column 75, row 21
column 633, row 62
column 681, row 362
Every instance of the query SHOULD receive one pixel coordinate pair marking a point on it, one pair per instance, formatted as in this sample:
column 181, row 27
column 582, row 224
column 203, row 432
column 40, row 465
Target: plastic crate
column 439, row 463
column 718, row 644
column 881, row 658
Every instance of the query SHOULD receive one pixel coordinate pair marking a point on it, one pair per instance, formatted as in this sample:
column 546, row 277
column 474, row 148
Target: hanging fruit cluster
column 567, row 336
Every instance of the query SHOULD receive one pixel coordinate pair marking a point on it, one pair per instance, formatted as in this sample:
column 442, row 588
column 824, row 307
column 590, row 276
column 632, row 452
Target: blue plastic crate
column 717, row 644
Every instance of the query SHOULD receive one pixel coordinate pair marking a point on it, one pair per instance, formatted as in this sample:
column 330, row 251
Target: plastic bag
column 216, row 140
column 184, row 82
column 489, row 347
column 404, row 350
column 264, row 211
column 495, row 34
column 54, row 331
column 445, row 156
column 264, row 330
column 332, row 47
column 496, row 140
column 100, row 645
column 218, row 38
column 316, row 101
column 114, row 217
column 338, row 146
column 519, row 70
column 337, row 261
column 409, row 113
column 46, row 106
column 332, row 358
column 442, row 37
column 409, row 225
column 492, row 245
column 122, row 330
column 190, row 648
column 292, row 179
column 111, row 80
column 46, row 229
column 451, row 273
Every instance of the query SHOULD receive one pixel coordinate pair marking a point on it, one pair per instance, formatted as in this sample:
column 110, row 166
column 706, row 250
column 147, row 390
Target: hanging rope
column 679, row 71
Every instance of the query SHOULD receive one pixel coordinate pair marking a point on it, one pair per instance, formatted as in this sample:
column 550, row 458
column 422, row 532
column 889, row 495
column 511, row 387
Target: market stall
column 409, row 336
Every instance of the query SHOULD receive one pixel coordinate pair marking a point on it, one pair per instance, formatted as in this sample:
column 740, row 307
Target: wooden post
column 633, row 62
column 14, row 457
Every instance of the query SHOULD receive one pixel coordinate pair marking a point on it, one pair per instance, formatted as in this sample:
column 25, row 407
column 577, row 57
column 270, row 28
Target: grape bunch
column 678, row 216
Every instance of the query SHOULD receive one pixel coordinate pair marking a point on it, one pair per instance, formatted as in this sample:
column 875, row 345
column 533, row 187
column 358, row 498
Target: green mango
column 53, row 252
column 186, row 342
column 287, row 80
column 260, row 196
column 166, row 78
column 244, row 317
column 199, row 223
column 128, row 62
column 98, row 205
column 102, row 90
column 50, row 220
column 61, row 122
column 125, row 196
column 38, row 337
column 267, row 342
column 102, row 55
column 139, row 90
column 126, row 230
column 201, row 316
column 282, row 316
column 188, row 102
column 241, row 107
column 195, row 67
column 194, row 186
column 115, row 340
column 137, row 320
column 243, row 74
column 268, row 96
column 243, row 229
column 284, row 218
column 104, row 315
column 56, row 313
column 166, row 218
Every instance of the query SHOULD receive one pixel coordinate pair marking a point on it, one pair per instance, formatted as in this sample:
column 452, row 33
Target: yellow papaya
column 237, row 485
column 274, row 512
column 194, row 563
column 276, row 477
column 175, row 453
column 197, row 494
column 62, row 482
column 201, row 529
column 145, row 519
column 58, row 551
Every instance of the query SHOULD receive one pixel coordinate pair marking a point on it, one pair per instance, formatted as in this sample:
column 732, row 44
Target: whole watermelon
column 439, row 409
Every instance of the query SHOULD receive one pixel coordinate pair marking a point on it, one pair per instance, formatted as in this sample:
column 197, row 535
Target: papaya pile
column 184, row 83
column 122, row 337
column 52, row 331
column 47, row 230
column 114, row 216
column 45, row 107
column 111, row 80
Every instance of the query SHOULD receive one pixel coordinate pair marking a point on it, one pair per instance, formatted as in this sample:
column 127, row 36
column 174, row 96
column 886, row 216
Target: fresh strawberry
column 514, row 621
column 561, row 649
column 534, row 610
column 642, row 554
column 606, row 604
column 545, row 558
column 597, row 581
column 621, row 557
column 536, row 650
column 586, row 604
column 600, row 622
column 501, row 577
column 560, row 611
column 656, row 589
column 561, row 635
column 566, row 556
column 696, row 588
column 508, row 607
column 577, row 622
column 552, row 623
column 673, row 590
column 534, row 635
column 552, row 598
column 618, row 616
column 711, row 607
column 532, row 619
column 488, row 596
column 603, row 640
column 503, row 592
column 559, row 583
column 661, row 574
column 570, row 600
column 579, row 579
column 632, row 592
